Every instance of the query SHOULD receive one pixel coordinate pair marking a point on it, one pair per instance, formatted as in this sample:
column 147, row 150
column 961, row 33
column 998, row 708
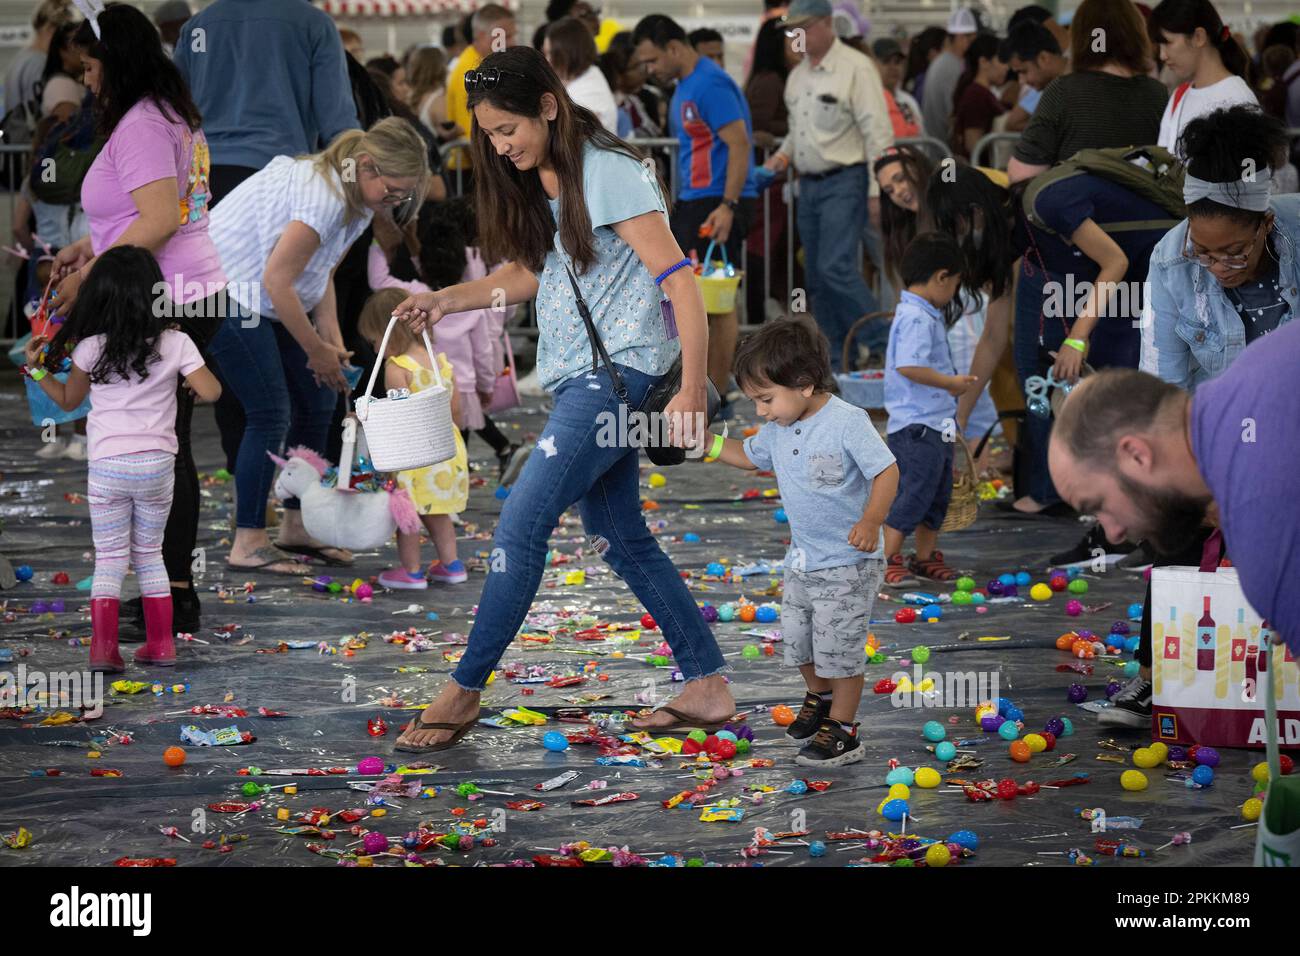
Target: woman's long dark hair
column 769, row 51
column 983, row 47
column 918, row 53
column 135, row 67
column 514, row 217
column 1184, row 16
column 119, row 300
column 1218, row 146
column 952, row 197
column 898, row 225
column 61, row 40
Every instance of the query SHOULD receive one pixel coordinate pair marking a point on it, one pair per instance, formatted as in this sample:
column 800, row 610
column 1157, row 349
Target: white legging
column 130, row 497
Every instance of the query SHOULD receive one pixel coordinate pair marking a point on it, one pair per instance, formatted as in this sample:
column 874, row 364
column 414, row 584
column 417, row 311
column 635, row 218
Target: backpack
column 64, row 156
column 1147, row 171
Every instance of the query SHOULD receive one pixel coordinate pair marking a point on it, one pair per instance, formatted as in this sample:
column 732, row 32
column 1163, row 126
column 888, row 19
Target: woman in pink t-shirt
column 128, row 361
column 148, row 187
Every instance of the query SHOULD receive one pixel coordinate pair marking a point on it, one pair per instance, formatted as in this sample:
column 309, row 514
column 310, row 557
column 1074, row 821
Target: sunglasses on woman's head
column 488, row 79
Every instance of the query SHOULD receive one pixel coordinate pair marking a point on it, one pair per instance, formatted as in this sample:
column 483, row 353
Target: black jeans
column 1190, row 556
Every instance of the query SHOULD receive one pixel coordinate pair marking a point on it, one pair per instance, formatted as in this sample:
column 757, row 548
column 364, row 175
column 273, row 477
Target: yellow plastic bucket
column 718, row 289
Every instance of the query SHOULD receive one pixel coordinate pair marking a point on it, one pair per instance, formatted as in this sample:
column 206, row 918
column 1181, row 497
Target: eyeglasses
column 488, row 79
column 392, row 197
column 1236, row 263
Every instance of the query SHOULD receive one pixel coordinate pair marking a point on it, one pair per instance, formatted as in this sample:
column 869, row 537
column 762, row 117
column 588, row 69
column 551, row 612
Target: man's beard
column 1172, row 519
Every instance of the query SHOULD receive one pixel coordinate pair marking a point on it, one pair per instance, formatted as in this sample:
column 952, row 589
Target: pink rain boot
column 159, row 649
column 104, row 657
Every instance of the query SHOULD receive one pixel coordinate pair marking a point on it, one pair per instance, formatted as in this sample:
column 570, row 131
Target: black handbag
column 657, row 399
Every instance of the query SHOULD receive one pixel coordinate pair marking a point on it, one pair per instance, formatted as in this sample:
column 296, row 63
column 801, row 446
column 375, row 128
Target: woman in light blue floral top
column 571, row 205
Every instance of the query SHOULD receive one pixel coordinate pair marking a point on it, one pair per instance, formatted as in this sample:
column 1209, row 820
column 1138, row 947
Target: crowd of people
column 313, row 206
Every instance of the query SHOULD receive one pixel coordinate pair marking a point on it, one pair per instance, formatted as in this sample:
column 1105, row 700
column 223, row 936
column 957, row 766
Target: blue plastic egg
column 1005, row 579
column 765, row 614
column 934, row 731
column 797, row 787
column 1135, row 612
column 715, row 569
column 1008, row 730
column 502, row 493
column 1004, row 705
column 1067, row 727
column 1015, row 713
column 726, row 735
column 691, row 536
column 1131, row 669
column 945, row 750
column 1203, row 775
column 893, row 810
column 780, row 516
column 23, row 572
column 903, row 775
column 977, row 598
column 1131, row 645
column 1023, row 579
column 1073, row 572
column 555, row 741
column 816, row 848
column 930, row 611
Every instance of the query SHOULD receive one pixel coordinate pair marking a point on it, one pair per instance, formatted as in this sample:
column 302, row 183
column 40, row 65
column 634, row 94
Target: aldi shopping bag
column 1210, row 657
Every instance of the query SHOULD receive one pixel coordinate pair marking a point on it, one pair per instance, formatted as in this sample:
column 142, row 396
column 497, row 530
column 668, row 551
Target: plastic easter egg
column 782, row 715
column 555, row 741
column 1035, row 743
column 1133, row 780
column 709, row 613
column 994, row 588
column 1135, row 612
column 992, row 723
column 1067, row 727
column 965, row 838
column 1008, row 730
column 747, row 613
column 1054, row 726
column 965, row 584
column 726, row 613
column 899, row 791
column 1251, row 810
column 936, row 854
column 751, row 652
column 1014, row 714
column 1007, row 789
column 934, row 731
column 1160, row 750
column 1177, row 754
column 1004, row 705
column 1077, row 693
column 894, row 810
column 976, row 598
column 931, row 612
column 1022, row 578
column 920, row 654
column 1132, row 644
column 370, row 766
column 715, row 569
column 1073, row 608
column 1010, row 590
column 374, row 843
column 1058, row 582
column 816, row 848
column 905, row 615
column 780, row 517
column 1131, row 669
column 1259, row 773
column 1040, row 592
column 765, row 614
column 1203, row 775
column 1049, row 740
column 945, row 750
column 1006, row 579
column 726, row 735
column 697, row 735
column 691, row 537
column 1019, row 751
column 24, row 572
column 985, row 710
column 1078, row 586
column 903, row 775
column 1113, row 688
column 962, row 598
column 1144, row 758
column 175, row 756
column 1207, row 756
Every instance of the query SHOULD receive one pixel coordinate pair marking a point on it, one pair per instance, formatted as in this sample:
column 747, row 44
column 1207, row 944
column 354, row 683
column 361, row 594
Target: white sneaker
column 53, row 449
column 77, row 448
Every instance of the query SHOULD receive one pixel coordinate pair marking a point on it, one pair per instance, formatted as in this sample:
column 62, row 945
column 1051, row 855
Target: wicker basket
column 412, row 432
column 964, row 507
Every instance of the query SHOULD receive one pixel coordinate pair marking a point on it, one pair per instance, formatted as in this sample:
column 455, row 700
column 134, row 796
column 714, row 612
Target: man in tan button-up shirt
column 839, row 124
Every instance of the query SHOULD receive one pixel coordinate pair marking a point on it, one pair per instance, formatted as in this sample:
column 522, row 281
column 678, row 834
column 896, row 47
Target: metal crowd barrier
column 987, row 141
column 15, row 161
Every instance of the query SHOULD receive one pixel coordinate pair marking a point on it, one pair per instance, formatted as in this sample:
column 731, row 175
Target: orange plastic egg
column 173, row 756
column 1019, row 751
column 747, row 613
column 782, row 715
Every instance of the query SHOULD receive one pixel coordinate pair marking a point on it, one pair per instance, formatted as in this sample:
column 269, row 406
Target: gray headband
column 1238, row 194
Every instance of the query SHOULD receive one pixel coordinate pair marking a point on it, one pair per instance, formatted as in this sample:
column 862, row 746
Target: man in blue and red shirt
column 710, row 118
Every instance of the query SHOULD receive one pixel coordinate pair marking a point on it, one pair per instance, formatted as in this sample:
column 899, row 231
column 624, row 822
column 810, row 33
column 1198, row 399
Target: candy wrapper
column 602, row 801
column 225, row 737
column 18, row 839
column 556, row 783
column 712, row 814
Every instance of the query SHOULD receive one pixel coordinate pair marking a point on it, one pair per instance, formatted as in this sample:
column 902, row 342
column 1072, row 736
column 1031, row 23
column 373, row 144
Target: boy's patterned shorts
column 825, row 616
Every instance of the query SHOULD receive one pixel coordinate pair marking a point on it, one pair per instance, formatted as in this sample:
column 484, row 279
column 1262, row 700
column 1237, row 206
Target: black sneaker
column 815, row 709
column 1085, row 552
column 831, row 746
column 185, row 613
column 1137, row 560
column 1132, row 706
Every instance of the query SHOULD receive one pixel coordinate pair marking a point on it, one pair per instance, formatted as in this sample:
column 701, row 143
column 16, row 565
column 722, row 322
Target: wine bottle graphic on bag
column 1205, row 640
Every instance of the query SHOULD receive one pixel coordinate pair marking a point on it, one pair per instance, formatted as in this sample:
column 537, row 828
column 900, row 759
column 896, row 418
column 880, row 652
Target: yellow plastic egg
column 1251, row 809
column 899, row 791
column 1040, row 592
column 1133, row 780
column 905, row 685
column 657, row 480
column 937, row 854
column 1145, row 758
column 926, row 685
column 984, row 710
column 927, row 778
column 1160, row 750
column 1260, row 773
column 1037, row 743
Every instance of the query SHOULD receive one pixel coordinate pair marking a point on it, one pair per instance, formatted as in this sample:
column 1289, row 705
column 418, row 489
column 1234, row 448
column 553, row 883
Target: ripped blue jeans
column 576, row 462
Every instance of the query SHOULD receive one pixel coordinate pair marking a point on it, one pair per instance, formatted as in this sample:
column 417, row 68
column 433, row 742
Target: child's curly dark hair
column 445, row 229
column 126, row 300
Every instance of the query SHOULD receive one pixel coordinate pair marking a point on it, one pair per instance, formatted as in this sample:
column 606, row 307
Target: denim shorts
column 924, row 478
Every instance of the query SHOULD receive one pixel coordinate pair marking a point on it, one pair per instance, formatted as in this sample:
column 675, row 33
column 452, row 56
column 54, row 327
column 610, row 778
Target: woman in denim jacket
column 1230, row 272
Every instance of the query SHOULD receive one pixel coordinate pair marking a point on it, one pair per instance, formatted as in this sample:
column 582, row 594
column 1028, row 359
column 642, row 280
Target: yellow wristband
column 1078, row 344
column 716, row 450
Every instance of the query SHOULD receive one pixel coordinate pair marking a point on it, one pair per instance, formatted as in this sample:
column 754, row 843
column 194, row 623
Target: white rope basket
column 407, row 433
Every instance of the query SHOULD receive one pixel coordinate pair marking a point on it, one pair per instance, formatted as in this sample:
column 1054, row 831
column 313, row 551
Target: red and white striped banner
column 400, row 8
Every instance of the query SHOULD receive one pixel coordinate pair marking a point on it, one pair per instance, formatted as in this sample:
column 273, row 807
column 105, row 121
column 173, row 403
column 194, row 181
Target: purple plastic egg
column 1120, row 627
column 56, row 607
column 1113, row 688
column 375, row 842
column 709, row 613
column 370, row 766
column 994, row 588
column 1010, row 590
column 1077, row 693
column 1177, row 754
column 991, row 722
column 1055, row 727
column 1207, row 756
column 40, row 607
column 1086, row 634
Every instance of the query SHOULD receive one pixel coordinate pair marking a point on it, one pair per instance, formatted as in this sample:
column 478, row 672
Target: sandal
column 421, row 724
column 683, row 722
column 933, row 568
column 316, row 552
column 268, row 557
column 897, row 573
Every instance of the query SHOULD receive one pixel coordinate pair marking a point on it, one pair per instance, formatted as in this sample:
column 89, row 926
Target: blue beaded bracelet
column 670, row 270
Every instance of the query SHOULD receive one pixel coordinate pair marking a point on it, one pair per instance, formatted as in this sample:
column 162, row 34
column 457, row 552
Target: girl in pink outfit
column 128, row 361
column 470, row 340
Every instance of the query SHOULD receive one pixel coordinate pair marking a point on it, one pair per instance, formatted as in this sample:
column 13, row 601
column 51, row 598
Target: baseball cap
column 803, row 11
column 963, row 21
column 886, row 48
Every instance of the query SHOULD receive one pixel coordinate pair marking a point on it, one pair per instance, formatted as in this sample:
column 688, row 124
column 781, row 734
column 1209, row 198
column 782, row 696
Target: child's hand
column 485, row 399
column 865, row 535
column 960, row 384
column 32, row 350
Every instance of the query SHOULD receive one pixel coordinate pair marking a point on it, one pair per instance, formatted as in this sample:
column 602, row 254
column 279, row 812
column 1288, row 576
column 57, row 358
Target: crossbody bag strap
column 598, row 353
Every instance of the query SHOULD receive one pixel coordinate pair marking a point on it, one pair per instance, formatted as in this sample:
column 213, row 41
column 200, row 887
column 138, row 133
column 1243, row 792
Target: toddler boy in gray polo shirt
column 837, row 480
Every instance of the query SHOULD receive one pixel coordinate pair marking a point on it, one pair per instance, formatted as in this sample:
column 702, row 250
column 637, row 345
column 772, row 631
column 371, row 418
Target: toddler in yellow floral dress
column 440, row 490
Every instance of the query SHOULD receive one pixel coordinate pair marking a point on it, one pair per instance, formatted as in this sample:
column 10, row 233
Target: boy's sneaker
column 400, row 579
column 453, row 573
column 815, row 709
column 933, row 568
column 1132, row 706
column 898, row 574
column 831, row 746
column 53, row 449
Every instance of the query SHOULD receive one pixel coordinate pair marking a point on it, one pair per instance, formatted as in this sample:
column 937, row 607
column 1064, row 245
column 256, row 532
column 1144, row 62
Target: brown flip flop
column 683, row 722
column 460, row 731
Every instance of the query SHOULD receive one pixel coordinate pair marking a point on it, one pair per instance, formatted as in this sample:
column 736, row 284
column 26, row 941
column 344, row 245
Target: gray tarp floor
column 77, row 818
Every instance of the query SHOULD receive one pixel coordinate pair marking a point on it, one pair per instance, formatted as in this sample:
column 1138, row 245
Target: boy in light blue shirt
column 834, row 473
column 921, row 389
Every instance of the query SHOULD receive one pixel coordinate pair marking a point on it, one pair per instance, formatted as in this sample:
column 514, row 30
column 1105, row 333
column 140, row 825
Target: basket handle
column 708, row 254
column 849, row 336
column 363, row 403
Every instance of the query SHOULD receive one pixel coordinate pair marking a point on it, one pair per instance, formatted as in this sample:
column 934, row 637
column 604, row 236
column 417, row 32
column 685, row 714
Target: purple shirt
column 1246, row 442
